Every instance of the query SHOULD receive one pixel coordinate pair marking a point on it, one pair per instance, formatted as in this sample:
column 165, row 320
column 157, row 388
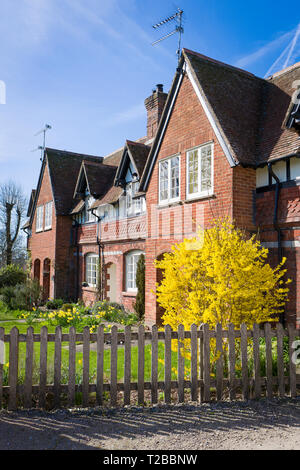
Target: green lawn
column 22, row 327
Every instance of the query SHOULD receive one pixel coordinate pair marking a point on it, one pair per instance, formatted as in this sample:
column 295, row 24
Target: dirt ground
column 238, row 425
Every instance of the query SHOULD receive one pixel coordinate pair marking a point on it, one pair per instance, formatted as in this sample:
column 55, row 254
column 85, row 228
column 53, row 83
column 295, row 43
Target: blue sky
column 86, row 66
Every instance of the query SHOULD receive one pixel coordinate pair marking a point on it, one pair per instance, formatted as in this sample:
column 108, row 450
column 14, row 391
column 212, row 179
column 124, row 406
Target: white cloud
column 264, row 50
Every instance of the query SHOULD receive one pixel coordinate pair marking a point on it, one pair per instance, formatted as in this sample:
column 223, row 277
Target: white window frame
column 89, row 216
column 131, row 259
column 48, row 215
column 200, row 193
column 169, row 199
column 91, row 261
column 39, row 218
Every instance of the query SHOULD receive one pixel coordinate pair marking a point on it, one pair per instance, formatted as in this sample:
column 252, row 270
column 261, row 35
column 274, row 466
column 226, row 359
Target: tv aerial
column 177, row 17
column 42, row 147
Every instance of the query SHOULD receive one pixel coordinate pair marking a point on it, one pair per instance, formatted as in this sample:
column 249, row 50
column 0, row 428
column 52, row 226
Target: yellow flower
column 80, row 361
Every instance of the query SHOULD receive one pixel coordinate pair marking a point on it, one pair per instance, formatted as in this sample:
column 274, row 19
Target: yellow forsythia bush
column 221, row 276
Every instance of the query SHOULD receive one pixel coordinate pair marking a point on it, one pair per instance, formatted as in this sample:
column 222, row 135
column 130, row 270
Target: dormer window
column 89, row 216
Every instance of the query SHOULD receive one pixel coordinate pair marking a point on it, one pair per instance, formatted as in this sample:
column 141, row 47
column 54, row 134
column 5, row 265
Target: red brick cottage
column 222, row 142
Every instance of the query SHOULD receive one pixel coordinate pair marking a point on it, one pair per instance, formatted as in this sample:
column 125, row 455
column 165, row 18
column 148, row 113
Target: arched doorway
column 159, row 277
column 46, row 279
column 111, row 282
column 37, row 269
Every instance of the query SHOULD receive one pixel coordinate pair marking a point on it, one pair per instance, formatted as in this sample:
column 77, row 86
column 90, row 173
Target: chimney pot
column 155, row 105
column 160, row 87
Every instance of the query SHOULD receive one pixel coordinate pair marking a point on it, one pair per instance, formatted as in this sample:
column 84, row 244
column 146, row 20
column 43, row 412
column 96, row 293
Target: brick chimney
column 155, row 105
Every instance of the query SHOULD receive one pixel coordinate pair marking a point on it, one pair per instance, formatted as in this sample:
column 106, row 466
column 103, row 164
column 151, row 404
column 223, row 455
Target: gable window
column 200, row 171
column 48, row 215
column 133, row 205
column 169, row 176
column 131, row 265
column 89, row 216
column 91, row 269
column 39, row 218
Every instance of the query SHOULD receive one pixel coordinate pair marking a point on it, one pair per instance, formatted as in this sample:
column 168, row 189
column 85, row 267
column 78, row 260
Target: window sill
column 46, row 229
column 39, row 230
column 129, row 293
column 200, row 198
column 89, row 288
column 169, row 204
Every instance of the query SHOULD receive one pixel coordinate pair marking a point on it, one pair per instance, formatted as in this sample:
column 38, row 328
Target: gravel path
column 253, row 425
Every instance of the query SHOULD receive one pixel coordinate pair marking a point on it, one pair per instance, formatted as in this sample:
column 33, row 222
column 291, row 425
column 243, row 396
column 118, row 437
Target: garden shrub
column 22, row 296
column 54, row 304
column 12, row 275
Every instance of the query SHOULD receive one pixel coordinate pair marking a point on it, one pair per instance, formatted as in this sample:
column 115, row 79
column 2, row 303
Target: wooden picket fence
column 200, row 385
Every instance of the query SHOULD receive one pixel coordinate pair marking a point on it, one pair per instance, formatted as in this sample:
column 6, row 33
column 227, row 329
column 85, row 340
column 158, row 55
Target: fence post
column 85, row 366
column 201, row 363
column 13, row 368
column 244, row 357
column 141, row 364
column 206, row 362
column 72, row 366
column 219, row 363
column 154, row 365
column 168, row 359
column 43, row 366
column 114, row 366
column 280, row 362
column 257, row 381
column 231, row 362
column 194, row 374
column 269, row 365
column 100, row 364
column 28, row 368
column 127, row 365
column 180, row 365
column 293, row 384
column 57, row 366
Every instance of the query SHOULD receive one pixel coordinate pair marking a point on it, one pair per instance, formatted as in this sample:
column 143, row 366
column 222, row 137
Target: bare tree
column 12, row 210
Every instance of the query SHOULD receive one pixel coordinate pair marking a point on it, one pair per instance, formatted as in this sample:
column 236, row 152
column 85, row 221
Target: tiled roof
column 112, row 196
column 64, row 168
column 99, row 177
column 234, row 98
column 275, row 140
column 139, row 153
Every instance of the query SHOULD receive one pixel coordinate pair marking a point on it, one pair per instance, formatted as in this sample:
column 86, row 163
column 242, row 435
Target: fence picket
column 13, row 368
column 43, row 366
column 206, row 362
column 257, row 380
column 2, row 361
column 194, row 374
column 154, row 365
column 100, row 364
column 141, row 364
column 201, row 364
column 85, row 366
column 168, row 362
column 231, row 353
column 269, row 362
column 57, row 366
column 280, row 362
column 72, row 366
column 127, row 365
column 28, row 368
column 180, row 365
column 244, row 358
column 219, row 362
column 292, row 368
column 114, row 366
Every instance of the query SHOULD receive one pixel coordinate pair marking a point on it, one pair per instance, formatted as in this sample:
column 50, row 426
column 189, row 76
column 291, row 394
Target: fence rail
column 218, row 365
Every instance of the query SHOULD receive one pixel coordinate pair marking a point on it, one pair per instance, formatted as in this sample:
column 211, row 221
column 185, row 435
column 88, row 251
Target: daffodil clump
column 221, row 276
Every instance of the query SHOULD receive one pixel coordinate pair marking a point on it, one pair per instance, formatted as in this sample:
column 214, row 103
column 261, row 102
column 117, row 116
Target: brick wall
column 188, row 127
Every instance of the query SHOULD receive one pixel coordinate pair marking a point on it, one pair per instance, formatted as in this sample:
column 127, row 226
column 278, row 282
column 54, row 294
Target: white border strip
column 289, row 244
column 210, row 118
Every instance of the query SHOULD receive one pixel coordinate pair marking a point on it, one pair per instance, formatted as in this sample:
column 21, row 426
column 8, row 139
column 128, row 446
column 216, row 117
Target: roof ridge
column 136, row 143
column 220, row 63
column 283, row 71
column 52, row 150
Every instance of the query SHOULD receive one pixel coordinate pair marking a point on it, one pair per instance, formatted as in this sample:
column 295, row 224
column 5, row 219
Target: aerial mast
column 177, row 17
